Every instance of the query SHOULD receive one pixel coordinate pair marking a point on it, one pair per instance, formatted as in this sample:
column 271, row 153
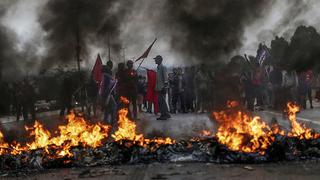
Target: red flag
column 146, row 53
column 97, row 70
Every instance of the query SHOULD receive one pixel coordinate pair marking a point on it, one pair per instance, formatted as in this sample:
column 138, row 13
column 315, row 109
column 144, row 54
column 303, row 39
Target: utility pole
column 78, row 52
column 124, row 53
column 78, row 47
column 109, row 48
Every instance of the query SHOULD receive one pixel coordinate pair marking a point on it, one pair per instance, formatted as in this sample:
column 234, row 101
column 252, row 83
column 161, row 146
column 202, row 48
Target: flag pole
column 140, row 63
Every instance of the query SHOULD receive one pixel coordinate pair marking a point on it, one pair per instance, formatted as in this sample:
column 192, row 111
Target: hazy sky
column 140, row 28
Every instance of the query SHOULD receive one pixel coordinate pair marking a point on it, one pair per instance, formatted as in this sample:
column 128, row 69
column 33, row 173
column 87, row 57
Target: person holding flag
column 108, row 101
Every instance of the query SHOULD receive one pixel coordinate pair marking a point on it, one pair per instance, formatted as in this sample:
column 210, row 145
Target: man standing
column 178, row 91
column 131, row 81
column 161, row 87
column 109, row 102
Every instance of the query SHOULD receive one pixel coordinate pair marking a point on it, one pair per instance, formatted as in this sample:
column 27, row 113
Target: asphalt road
column 187, row 171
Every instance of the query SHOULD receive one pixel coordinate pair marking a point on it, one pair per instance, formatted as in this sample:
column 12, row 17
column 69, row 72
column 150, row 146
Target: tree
column 279, row 52
column 304, row 48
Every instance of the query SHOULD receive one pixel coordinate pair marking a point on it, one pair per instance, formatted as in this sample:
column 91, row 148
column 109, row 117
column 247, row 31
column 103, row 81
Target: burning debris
column 240, row 132
column 240, row 138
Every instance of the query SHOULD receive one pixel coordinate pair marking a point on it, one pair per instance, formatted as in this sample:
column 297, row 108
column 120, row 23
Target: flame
column 298, row 130
column 240, row 132
column 205, row 133
column 3, row 144
column 76, row 132
column 127, row 130
column 236, row 129
column 41, row 136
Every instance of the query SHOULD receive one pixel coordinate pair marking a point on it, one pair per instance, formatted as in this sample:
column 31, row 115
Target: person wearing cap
column 161, row 87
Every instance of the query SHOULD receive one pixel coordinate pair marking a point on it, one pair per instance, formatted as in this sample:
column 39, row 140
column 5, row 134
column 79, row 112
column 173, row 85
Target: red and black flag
column 97, row 70
column 146, row 53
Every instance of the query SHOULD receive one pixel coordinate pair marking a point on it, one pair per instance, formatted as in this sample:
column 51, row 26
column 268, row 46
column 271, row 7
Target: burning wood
column 239, row 138
column 127, row 130
column 76, row 132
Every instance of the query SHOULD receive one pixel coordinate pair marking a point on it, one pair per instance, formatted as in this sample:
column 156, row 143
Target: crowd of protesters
column 198, row 89
column 194, row 89
column 159, row 91
column 270, row 87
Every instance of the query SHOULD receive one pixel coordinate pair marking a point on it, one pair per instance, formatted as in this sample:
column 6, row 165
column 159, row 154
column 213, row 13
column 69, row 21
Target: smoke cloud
column 42, row 34
column 208, row 30
column 95, row 23
column 8, row 55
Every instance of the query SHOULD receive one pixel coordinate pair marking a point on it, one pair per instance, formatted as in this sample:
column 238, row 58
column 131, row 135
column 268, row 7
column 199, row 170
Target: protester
column 257, row 82
column 161, row 87
column 18, row 100
column 302, row 90
column 276, row 82
column 28, row 100
column 121, row 86
column 189, row 90
column 290, row 86
column 66, row 95
column 109, row 102
column 178, row 91
column 248, row 91
column 317, row 86
column 92, row 94
column 309, row 80
column 201, row 79
column 130, row 81
column 170, row 90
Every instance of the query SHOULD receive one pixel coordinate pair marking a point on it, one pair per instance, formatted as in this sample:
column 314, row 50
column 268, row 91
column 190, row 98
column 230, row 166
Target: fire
column 76, row 132
column 298, row 130
column 3, row 144
column 41, row 136
column 206, row 133
column 236, row 129
column 127, row 129
column 240, row 132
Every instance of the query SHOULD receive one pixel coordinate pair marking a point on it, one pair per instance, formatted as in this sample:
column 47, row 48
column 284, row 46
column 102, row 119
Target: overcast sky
column 139, row 29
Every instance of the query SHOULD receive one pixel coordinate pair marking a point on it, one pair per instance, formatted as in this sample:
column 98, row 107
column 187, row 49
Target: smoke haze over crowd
column 41, row 34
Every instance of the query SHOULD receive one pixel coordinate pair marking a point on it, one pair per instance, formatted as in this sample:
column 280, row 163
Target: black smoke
column 206, row 30
column 96, row 22
column 9, row 57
